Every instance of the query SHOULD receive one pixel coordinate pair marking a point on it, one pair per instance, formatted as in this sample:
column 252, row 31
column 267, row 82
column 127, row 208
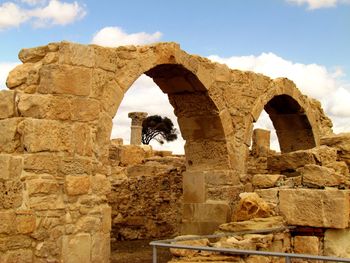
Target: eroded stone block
column 337, row 243
column 315, row 208
column 76, row 248
column 77, row 185
column 7, row 107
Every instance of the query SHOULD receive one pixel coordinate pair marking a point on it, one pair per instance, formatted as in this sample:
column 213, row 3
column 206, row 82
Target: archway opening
column 147, row 196
column 291, row 123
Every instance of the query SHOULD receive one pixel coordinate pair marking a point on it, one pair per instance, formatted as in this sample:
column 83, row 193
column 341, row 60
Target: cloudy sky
column 307, row 41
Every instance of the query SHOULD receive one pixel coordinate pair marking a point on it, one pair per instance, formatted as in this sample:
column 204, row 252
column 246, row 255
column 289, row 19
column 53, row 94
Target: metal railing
column 168, row 243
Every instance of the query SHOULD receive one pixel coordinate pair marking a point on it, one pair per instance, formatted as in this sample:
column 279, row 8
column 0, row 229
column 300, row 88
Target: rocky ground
column 138, row 251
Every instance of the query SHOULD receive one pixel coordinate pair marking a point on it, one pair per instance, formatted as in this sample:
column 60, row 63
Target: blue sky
column 305, row 40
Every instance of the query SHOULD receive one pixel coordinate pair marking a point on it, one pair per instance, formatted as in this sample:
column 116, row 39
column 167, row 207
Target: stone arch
column 291, row 114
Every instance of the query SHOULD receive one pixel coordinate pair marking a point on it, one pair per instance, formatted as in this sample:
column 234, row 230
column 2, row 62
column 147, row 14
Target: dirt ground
column 138, row 251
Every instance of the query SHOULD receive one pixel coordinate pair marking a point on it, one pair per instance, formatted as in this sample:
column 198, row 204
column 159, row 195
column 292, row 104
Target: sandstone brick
column 100, row 184
column 194, row 189
column 315, row 208
column 42, row 186
column 25, row 221
column 106, row 219
column 17, row 256
column 324, row 154
column 41, row 163
column 290, row 161
column 254, row 224
column 6, row 222
column 266, row 180
column 27, row 73
column 54, row 136
column 251, row 206
column 46, row 202
column 76, row 248
column 319, row 176
column 207, row 212
column 100, row 248
column 11, row 194
column 336, row 243
column 15, row 242
column 9, row 139
column 76, row 54
column 11, row 166
column 84, row 109
column 306, row 245
column 77, row 185
column 64, row 79
column 33, row 54
column 7, row 107
column 83, row 139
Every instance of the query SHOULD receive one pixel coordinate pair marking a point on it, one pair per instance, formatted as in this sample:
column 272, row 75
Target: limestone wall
column 146, row 194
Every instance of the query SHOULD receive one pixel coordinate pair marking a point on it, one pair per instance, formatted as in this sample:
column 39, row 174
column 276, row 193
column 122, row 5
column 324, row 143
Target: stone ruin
column 66, row 190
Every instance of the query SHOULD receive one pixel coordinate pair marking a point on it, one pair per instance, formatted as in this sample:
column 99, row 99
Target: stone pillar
column 261, row 142
column 136, row 126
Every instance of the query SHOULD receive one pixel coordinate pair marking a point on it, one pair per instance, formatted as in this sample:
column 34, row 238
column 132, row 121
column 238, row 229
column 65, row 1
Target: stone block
column 25, row 221
column 251, row 206
column 11, row 194
column 198, row 228
column 269, row 195
column 106, row 219
column 76, row 54
column 254, row 224
column 84, row 109
column 324, row 154
column 6, row 222
column 77, row 185
column 14, row 242
column 17, row 256
column 315, row 208
column 221, row 177
column 341, row 142
column 9, row 139
column 290, row 161
column 194, row 189
column 27, row 73
column 306, row 245
column 206, row 212
column 11, row 166
column 46, row 202
column 339, row 167
column 261, row 142
column 83, row 139
column 33, row 54
column 100, row 184
column 75, row 165
column 266, row 180
column 42, row 186
column 319, row 176
column 46, row 135
column 64, row 79
column 41, row 163
column 7, row 106
column 100, row 250
column 337, row 243
column 76, row 248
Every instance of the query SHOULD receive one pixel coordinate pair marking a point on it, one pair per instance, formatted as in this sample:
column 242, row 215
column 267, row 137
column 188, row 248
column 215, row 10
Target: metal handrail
column 167, row 243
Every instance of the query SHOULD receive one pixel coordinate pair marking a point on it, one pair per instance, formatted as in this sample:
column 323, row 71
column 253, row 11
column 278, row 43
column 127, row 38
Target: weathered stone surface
column 290, row 161
column 17, row 256
column 64, row 79
column 251, row 206
column 254, row 224
column 9, row 139
column 76, row 248
column 261, row 142
column 207, row 212
column 6, row 222
column 318, row 176
column 316, row 208
column 25, row 221
column 54, row 136
column 266, row 180
column 341, row 142
column 306, row 245
column 100, row 248
column 27, row 73
column 11, row 194
column 186, row 252
column 11, row 166
column 33, row 54
column 336, row 243
column 100, row 184
column 77, row 185
column 127, row 154
column 42, row 186
column 7, row 106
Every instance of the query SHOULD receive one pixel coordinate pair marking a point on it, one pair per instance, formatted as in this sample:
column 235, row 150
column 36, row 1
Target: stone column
column 261, row 142
column 136, row 126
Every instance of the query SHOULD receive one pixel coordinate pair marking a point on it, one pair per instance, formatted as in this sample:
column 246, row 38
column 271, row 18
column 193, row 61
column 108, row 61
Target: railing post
column 288, row 260
column 154, row 254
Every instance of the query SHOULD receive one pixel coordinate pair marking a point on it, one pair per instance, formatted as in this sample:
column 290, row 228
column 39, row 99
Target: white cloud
column 313, row 80
column 41, row 13
column 11, row 15
column 316, row 4
column 5, row 68
column 115, row 36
